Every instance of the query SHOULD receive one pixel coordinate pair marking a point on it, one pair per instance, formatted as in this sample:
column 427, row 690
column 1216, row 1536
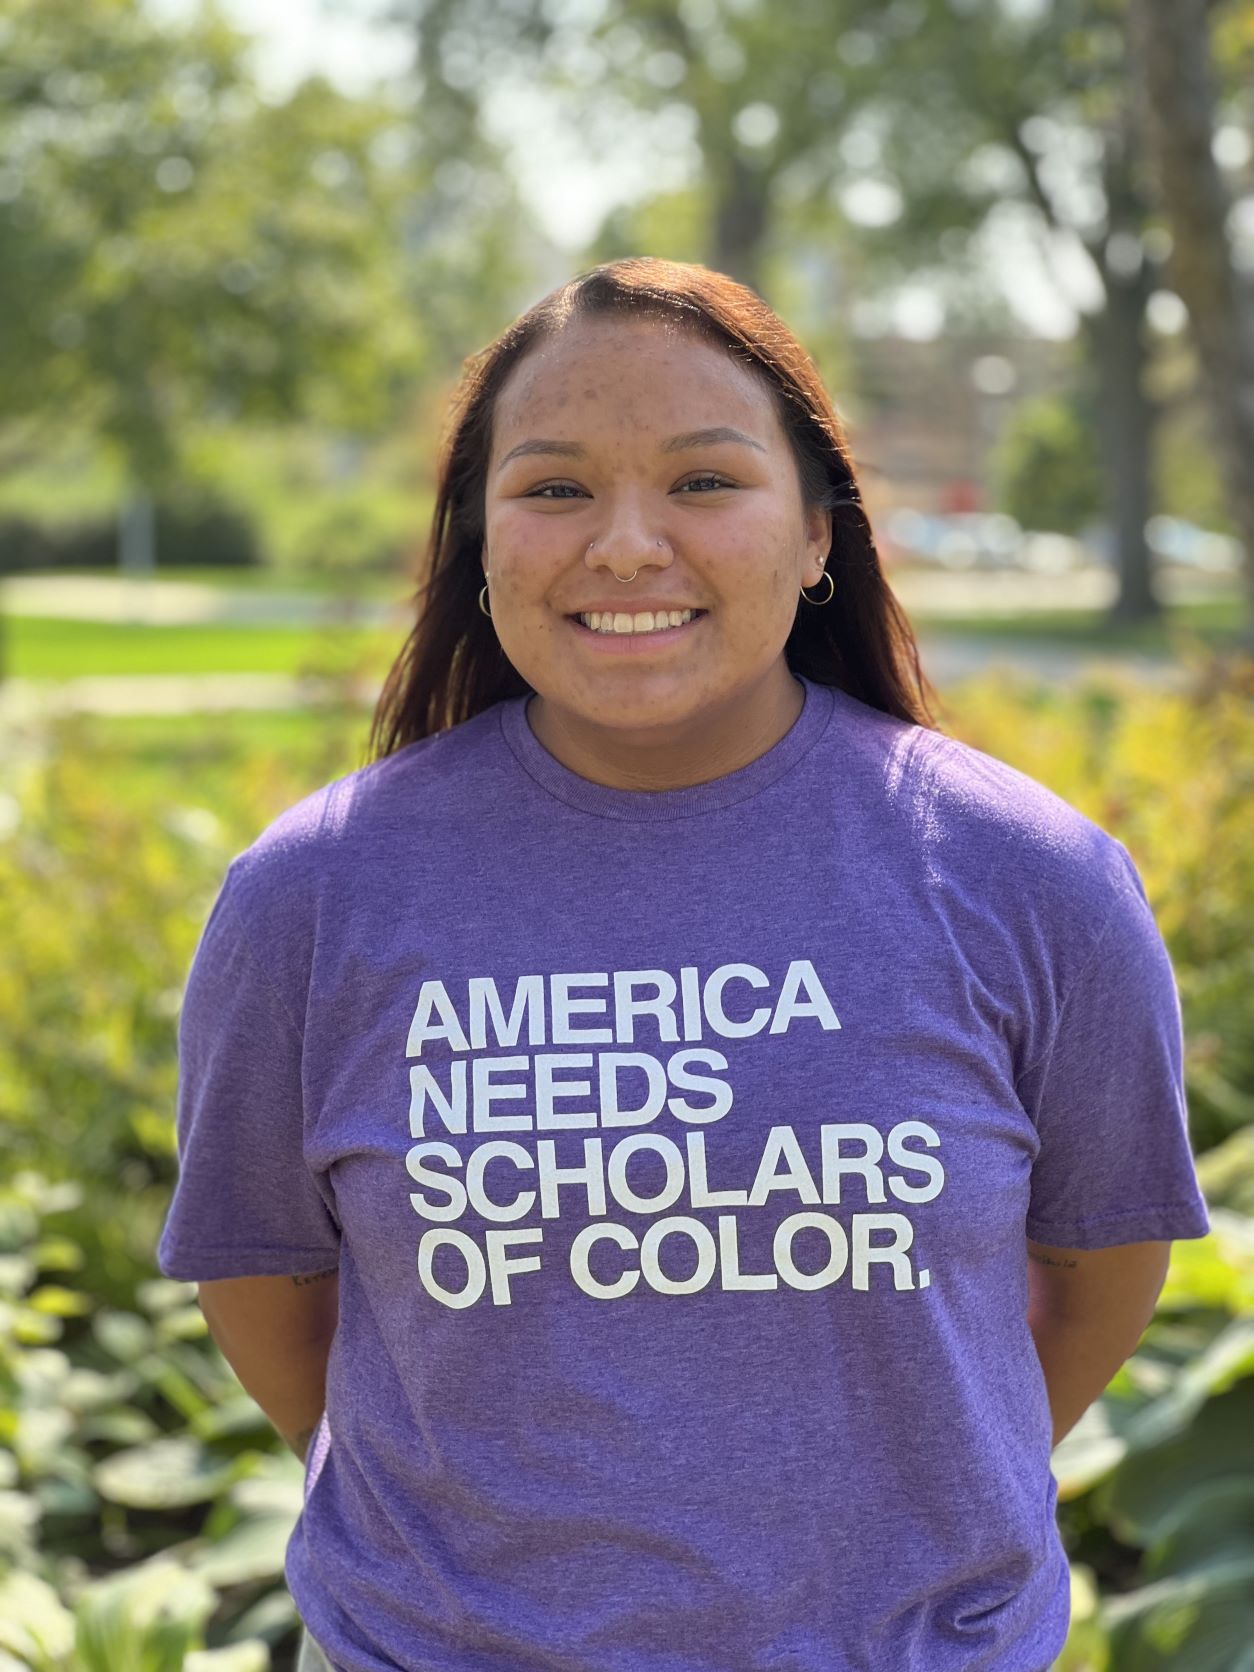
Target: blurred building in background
column 929, row 414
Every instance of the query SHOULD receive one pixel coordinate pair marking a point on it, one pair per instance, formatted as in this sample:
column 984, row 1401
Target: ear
column 818, row 533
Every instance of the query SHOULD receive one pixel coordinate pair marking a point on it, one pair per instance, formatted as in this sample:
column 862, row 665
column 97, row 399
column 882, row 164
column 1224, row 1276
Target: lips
column 635, row 643
column 618, row 608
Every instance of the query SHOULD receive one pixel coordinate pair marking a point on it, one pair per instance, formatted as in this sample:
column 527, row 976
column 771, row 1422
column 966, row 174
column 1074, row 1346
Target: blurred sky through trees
column 352, row 44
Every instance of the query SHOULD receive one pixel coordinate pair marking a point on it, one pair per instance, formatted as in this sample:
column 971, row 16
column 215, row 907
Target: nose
column 658, row 558
column 627, row 544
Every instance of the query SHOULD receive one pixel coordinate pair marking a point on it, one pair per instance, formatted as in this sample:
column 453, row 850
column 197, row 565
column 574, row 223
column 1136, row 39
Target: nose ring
column 617, row 577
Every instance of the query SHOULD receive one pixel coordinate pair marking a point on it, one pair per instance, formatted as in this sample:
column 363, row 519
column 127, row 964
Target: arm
column 1087, row 1310
column 275, row 1333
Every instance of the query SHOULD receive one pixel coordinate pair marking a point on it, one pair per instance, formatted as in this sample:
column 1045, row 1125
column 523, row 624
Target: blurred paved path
column 114, row 598
column 161, row 693
column 950, row 657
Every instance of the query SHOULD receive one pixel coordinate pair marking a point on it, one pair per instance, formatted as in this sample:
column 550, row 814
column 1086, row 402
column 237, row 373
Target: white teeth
column 601, row 621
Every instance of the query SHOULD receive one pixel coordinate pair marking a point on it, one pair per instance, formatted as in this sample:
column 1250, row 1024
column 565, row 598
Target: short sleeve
column 245, row 1204
column 1107, row 1097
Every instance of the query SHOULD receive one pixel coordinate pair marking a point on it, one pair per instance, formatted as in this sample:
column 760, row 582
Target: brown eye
column 715, row 481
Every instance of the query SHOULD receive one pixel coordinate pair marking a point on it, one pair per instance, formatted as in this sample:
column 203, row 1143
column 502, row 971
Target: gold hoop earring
column 819, row 602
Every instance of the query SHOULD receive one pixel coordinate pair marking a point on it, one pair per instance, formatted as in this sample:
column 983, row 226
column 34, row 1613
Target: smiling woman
column 676, row 1044
column 643, row 508
column 649, row 437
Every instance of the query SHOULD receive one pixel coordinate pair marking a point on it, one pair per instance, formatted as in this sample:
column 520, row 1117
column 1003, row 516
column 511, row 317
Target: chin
column 619, row 709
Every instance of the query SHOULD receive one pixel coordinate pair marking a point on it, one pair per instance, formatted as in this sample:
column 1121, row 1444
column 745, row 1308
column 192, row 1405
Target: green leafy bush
column 145, row 1502
column 1171, row 774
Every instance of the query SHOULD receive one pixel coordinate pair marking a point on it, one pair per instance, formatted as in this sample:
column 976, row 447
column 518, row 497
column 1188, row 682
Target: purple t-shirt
column 678, row 1150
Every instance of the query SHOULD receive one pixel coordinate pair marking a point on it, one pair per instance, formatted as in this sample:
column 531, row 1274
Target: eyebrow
column 675, row 444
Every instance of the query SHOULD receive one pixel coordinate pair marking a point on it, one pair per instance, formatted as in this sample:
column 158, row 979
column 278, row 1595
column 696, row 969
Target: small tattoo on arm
column 315, row 1276
column 1048, row 1260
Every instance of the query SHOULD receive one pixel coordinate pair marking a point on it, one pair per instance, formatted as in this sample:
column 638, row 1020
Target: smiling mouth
column 628, row 624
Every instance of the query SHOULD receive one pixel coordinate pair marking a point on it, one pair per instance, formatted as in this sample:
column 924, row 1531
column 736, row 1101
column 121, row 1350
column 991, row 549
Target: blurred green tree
column 1020, row 117
column 1175, row 60
column 750, row 102
column 1046, row 470
column 955, row 115
column 178, row 251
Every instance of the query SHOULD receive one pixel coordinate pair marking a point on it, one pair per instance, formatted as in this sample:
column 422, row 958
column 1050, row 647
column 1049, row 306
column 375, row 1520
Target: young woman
column 683, row 1135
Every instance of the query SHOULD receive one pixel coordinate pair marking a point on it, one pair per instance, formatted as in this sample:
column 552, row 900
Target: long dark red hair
column 452, row 667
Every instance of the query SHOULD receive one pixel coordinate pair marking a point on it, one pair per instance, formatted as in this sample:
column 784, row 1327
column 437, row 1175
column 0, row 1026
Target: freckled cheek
column 523, row 553
column 755, row 568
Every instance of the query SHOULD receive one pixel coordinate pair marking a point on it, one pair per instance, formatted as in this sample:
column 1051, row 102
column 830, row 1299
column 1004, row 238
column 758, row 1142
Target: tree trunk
column 137, row 546
column 1120, row 354
column 740, row 223
column 1171, row 40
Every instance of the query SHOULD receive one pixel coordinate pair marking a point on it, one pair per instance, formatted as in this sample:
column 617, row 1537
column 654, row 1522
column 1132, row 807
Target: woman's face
column 621, row 448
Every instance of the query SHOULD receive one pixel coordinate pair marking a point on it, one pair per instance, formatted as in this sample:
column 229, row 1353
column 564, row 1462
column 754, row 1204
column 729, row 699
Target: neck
column 709, row 744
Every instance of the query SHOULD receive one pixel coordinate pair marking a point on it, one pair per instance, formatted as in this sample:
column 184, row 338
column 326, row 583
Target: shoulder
column 984, row 828
column 336, row 829
column 979, row 791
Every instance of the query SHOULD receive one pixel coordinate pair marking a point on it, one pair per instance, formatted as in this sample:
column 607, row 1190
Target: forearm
column 1087, row 1310
column 276, row 1335
column 1079, row 1357
column 293, row 1395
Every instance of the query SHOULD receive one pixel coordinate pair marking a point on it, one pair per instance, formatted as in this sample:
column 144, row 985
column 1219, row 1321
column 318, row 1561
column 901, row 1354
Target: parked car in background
column 1174, row 541
column 1046, row 552
column 969, row 540
column 961, row 540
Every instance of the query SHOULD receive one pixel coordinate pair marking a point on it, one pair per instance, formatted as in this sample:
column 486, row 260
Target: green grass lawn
column 44, row 647
column 1217, row 622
